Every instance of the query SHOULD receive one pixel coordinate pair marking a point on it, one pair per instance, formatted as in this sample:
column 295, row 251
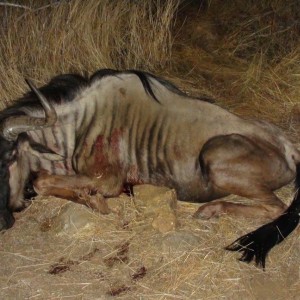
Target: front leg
column 80, row 189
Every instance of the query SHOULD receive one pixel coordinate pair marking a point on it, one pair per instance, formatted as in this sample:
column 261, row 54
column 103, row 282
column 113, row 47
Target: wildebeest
column 85, row 139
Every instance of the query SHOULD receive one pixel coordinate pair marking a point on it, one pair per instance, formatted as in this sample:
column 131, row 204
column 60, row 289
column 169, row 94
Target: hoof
column 210, row 210
column 7, row 219
column 98, row 204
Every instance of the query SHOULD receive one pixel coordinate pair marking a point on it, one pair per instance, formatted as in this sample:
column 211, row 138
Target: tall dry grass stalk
column 42, row 39
column 246, row 54
column 243, row 53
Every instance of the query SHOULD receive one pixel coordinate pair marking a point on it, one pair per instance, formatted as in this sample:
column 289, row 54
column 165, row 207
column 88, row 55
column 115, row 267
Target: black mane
column 63, row 88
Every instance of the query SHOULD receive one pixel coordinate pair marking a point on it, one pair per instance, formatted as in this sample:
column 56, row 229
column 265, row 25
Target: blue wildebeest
column 85, row 139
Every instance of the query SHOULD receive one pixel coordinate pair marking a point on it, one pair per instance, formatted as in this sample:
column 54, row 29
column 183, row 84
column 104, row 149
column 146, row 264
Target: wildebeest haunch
column 85, row 139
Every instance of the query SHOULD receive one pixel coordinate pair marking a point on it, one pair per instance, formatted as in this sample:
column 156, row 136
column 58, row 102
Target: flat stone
column 179, row 241
column 73, row 218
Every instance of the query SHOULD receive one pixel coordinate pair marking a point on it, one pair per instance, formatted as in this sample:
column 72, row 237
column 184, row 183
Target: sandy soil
column 61, row 250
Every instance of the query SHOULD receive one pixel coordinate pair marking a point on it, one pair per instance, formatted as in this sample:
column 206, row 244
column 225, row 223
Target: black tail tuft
column 257, row 244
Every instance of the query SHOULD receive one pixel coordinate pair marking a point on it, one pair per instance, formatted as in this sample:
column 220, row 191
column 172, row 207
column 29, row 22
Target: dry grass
column 246, row 54
column 47, row 256
column 82, row 36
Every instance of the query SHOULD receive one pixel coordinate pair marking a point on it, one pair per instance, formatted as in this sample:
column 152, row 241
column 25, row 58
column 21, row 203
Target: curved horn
column 11, row 127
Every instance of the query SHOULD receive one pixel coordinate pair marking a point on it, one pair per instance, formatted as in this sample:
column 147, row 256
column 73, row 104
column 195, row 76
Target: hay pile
column 245, row 54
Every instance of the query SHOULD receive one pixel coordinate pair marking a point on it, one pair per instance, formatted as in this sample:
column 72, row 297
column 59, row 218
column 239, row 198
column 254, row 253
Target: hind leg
column 249, row 168
column 269, row 209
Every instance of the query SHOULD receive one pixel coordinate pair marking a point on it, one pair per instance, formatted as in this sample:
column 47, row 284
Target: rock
column 73, row 218
column 165, row 221
column 158, row 203
column 180, row 241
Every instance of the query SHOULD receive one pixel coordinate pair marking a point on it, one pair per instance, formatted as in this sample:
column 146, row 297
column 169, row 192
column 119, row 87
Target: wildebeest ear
column 44, row 152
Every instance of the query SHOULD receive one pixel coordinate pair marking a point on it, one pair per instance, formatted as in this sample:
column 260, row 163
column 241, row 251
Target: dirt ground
column 243, row 54
column 61, row 250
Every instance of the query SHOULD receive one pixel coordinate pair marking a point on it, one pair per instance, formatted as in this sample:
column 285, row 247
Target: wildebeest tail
column 257, row 244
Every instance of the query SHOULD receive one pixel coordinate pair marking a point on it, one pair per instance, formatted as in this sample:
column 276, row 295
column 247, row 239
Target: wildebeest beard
column 7, row 154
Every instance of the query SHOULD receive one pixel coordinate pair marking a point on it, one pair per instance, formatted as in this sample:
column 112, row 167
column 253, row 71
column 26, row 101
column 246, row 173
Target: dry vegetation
column 83, row 36
column 245, row 54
